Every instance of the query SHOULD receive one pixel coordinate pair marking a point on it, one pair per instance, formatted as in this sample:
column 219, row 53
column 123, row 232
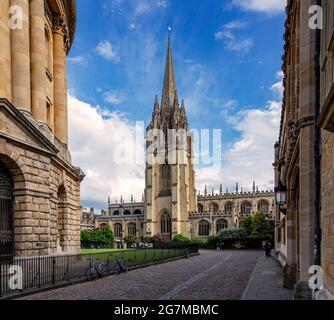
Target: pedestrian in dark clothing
column 220, row 244
column 267, row 249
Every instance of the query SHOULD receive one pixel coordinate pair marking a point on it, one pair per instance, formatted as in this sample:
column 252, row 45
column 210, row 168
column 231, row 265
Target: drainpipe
column 317, row 152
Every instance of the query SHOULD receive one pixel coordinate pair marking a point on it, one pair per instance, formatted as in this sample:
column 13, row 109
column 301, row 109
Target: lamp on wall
column 280, row 194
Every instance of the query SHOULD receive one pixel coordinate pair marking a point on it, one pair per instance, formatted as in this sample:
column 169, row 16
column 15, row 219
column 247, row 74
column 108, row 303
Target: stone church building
column 171, row 205
column 39, row 186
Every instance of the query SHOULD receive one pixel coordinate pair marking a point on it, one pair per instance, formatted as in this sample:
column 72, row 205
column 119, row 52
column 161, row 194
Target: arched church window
column 137, row 212
column 166, row 224
column 228, row 208
column 214, row 207
column 116, row 213
column 221, row 224
column 263, row 207
column 246, row 207
column 118, row 230
column 200, row 208
column 127, row 213
column 203, row 228
column 131, row 229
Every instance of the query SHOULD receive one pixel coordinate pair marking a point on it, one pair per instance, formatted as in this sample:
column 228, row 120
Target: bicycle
column 96, row 270
column 121, row 266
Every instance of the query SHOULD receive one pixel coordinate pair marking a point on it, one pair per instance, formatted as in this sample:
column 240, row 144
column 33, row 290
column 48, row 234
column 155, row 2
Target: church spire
column 169, row 87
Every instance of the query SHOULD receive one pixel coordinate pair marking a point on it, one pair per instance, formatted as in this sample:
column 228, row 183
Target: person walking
column 267, row 249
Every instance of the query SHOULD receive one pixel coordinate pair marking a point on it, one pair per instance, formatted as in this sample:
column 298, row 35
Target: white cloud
column 94, row 138
column 105, row 50
column 231, row 40
column 277, row 87
column 251, row 156
column 243, row 45
column 78, row 60
column 268, row 6
column 113, row 97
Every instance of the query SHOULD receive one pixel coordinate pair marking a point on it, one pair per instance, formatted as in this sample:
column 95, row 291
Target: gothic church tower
column 170, row 186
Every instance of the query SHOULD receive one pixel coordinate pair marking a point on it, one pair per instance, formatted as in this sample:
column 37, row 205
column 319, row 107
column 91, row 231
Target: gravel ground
column 220, row 275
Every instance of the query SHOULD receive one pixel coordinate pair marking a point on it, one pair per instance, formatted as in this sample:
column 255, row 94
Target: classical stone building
column 39, row 186
column 304, row 153
column 170, row 205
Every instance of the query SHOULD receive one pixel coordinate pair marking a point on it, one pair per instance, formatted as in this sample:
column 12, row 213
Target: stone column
column 20, row 56
column 5, row 64
column 60, row 83
column 37, row 59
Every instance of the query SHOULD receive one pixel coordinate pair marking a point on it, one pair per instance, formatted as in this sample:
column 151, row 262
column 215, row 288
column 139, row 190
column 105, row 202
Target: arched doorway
column 61, row 215
column 6, row 214
column 166, row 225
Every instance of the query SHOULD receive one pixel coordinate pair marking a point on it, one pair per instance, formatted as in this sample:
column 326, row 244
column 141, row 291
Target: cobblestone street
column 220, row 275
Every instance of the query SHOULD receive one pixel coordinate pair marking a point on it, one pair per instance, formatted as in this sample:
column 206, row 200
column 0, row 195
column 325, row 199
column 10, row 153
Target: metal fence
column 46, row 271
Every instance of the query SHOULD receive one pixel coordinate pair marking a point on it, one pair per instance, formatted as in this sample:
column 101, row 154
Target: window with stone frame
column 221, row 224
column 200, row 207
column 263, row 207
column 132, row 229
column 228, row 208
column 165, row 224
column 203, row 228
column 246, row 207
column 118, row 230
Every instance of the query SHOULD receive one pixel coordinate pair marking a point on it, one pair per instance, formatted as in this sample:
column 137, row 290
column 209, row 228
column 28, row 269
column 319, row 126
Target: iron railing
column 47, row 271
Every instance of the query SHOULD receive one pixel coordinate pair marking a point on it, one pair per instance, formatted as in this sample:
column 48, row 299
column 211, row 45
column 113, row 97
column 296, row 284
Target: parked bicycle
column 96, row 269
column 121, row 266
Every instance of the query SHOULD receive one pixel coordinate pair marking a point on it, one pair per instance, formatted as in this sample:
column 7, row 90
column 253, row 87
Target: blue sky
column 227, row 55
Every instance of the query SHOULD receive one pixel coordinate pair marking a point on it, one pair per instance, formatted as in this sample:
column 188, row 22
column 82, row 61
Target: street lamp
column 280, row 193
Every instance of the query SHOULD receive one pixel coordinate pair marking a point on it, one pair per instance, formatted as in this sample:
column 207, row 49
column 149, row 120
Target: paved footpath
column 266, row 282
column 221, row 275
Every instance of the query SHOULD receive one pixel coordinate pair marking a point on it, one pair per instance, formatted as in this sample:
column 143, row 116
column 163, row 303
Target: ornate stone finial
column 253, row 186
column 205, row 191
column 237, row 187
column 131, row 198
column 108, row 200
column 213, row 192
column 121, row 199
column 221, row 189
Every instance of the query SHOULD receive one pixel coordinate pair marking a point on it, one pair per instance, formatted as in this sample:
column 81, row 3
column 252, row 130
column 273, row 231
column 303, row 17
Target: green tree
column 262, row 229
column 97, row 236
column 247, row 225
column 232, row 234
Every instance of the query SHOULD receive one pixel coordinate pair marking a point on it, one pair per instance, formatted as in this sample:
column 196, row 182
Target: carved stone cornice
column 59, row 26
column 65, row 23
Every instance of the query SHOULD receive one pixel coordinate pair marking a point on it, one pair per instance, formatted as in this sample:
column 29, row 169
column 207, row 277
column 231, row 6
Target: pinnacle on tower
column 169, row 87
column 176, row 102
column 156, row 104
